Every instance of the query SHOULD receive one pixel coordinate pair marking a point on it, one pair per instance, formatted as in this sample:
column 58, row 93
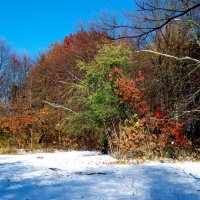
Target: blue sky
column 33, row 25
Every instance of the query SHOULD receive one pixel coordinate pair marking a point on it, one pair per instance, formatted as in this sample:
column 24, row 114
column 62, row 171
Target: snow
column 90, row 175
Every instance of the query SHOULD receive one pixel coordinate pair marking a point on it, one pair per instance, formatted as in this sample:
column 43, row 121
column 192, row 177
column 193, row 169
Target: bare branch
column 66, row 83
column 59, row 106
column 176, row 15
column 170, row 56
column 190, row 111
column 73, row 75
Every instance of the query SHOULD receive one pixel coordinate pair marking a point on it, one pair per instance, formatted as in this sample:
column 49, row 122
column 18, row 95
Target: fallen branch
column 190, row 111
column 66, row 83
column 170, row 56
column 59, row 106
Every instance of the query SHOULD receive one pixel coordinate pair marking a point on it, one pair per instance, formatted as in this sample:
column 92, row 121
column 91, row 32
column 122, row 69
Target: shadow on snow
column 141, row 182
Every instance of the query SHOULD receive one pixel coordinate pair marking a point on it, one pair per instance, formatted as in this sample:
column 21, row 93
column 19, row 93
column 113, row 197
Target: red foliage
column 158, row 114
column 57, row 69
column 173, row 128
column 128, row 91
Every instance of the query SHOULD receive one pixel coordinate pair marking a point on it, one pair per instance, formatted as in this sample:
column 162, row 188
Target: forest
column 131, row 87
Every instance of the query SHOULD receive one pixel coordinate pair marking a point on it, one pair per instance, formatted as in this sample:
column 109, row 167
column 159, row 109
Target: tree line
column 134, row 86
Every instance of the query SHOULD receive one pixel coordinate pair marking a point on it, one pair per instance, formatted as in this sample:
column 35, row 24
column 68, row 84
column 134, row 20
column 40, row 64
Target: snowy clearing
column 90, row 175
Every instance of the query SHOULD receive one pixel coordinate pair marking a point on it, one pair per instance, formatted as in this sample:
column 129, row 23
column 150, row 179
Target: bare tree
column 152, row 17
column 4, row 68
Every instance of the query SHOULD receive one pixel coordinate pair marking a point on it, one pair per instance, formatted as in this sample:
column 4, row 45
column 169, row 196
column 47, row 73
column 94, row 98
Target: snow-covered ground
column 90, row 175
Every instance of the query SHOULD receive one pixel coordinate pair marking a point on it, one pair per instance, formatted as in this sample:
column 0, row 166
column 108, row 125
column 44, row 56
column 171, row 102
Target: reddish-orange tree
column 54, row 76
column 150, row 128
